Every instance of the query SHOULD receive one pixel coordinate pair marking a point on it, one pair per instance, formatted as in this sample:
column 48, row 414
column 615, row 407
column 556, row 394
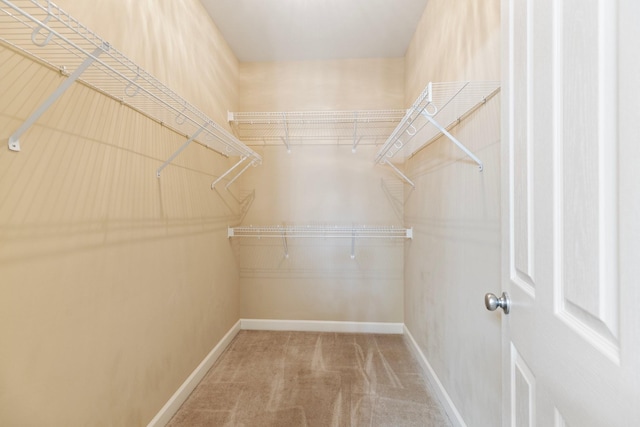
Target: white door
column 571, row 192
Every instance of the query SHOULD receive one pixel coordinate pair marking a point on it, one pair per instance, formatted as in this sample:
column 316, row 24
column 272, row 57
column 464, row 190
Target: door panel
column 523, row 389
column 522, row 219
column 571, row 340
column 585, row 142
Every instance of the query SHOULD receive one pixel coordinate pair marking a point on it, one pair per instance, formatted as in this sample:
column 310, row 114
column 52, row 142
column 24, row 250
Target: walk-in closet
column 319, row 213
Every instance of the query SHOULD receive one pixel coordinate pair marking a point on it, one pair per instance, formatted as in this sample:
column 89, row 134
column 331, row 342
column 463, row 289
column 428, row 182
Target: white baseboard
column 437, row 387
column 321, row 326
column 179, row 397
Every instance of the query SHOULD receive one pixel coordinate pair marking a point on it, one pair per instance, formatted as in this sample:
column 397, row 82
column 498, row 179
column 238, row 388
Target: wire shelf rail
column 439, row 106
column 41, row 30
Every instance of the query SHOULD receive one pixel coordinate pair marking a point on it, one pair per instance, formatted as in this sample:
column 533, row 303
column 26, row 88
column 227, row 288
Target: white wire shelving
column 439, row 107
column 321, row 231
column 320, row 127
column 324, row 231
column 49, row 35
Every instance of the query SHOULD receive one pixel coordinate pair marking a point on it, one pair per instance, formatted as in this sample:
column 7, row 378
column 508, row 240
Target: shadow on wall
column 239, row 204
column 305, row 258
column 86, row 176
column 396, row 194
column 115, row 284
column 159, row 36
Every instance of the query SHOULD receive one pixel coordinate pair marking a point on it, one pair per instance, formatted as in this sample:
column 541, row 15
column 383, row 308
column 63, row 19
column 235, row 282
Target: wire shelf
column 329, row 127
column 48, row 34
column 446, row 103
column 322, row 231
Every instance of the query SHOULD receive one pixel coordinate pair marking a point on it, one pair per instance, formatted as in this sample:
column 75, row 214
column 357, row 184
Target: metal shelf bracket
column 437, row 109
column 453, row 139
column 14, row 139
column 356, row 140
column 213, row 184
column 353, row 245
column 42, row 31
column 286, row 132
column 251, row 163
column 284, row 244
column 398, row 172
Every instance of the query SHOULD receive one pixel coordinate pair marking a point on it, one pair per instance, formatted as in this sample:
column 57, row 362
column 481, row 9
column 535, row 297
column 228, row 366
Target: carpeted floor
column 313, row 379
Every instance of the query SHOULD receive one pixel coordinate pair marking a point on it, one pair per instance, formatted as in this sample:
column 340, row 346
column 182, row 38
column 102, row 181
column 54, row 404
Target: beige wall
column 455, row 40
column 454, row 258
column 321, row 184
column 114, row 285
column 350, row 84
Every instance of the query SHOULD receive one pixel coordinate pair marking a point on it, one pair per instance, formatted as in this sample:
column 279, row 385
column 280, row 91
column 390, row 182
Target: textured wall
column 322, row 184
column 454, row 258
column 114, row 285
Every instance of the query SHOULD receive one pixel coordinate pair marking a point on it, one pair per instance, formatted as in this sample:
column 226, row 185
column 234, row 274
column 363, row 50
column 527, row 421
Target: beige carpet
column 312, row 379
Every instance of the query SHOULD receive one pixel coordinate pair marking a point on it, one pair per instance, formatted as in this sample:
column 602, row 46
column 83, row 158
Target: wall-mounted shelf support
column 353, row 245
column 14, row 140
column 185, row 145
column 284, row 244
column 252, row 163
column 439, row 107
column 356, row 140
column 398, row 172
column 286, row 132
column 453, row 139
column 213, row 184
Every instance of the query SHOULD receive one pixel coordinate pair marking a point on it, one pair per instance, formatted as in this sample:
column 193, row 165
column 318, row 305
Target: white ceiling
column 285, row 30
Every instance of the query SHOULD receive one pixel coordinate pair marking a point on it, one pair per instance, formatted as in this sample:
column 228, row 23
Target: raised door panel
column 585, row 154
column 521, row 148
column 523, row 392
